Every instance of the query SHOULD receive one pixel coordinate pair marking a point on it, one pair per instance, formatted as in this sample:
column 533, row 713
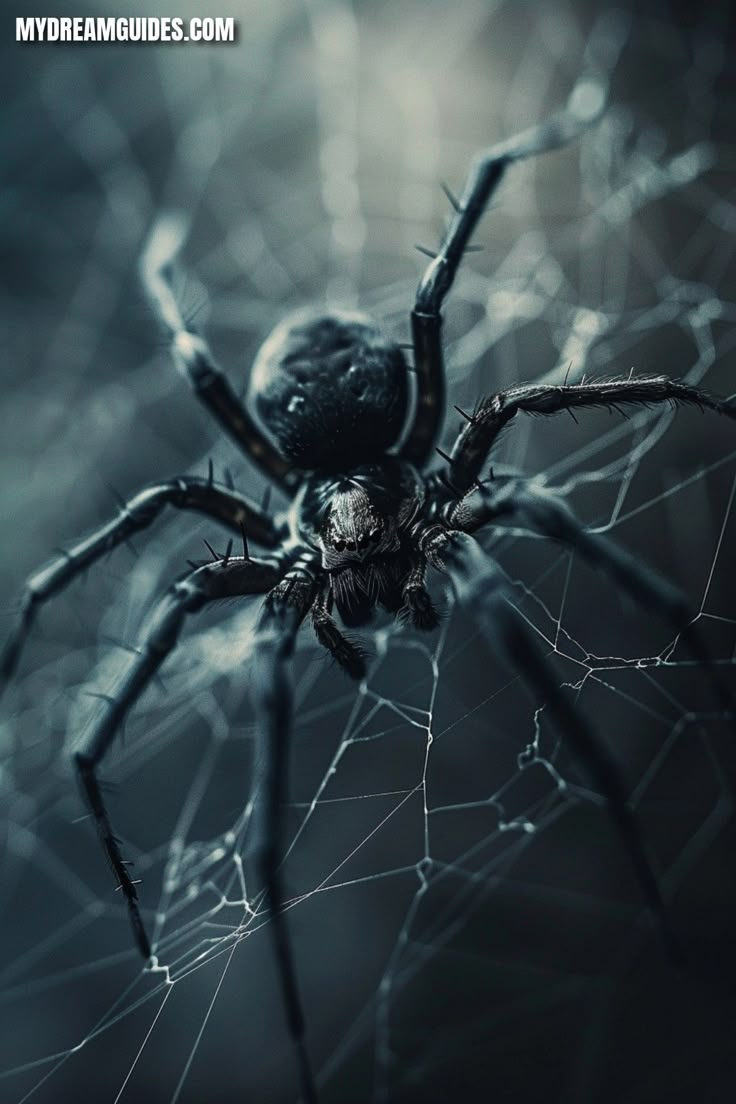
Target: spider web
column 463, row 917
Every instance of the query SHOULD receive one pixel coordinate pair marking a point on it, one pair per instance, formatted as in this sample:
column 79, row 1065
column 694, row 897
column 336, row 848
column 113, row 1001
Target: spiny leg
column 346, row 653
column 583, row 108
column 482, row 429
column 480, row 587
column 271, row 692
column 226, row 579
column 202, row 496
column 194, row 357
column 545, row 513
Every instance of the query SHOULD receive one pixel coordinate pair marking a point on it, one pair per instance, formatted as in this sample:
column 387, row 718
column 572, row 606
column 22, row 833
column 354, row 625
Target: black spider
column 365, row 523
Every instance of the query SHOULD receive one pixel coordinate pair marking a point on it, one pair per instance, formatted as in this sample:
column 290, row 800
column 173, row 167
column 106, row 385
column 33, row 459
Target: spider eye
column 350, row 545
column 339, row 545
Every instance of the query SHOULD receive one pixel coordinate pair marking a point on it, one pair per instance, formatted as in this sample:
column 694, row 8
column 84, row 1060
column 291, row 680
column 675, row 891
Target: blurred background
column 465, row 922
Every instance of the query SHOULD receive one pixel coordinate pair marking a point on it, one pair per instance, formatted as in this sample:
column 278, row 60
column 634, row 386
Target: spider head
column 355, row 530
column 359, row 520
column 361, row 551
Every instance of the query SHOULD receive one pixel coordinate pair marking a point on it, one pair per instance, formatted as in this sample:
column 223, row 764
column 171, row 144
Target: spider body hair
column 362, row 523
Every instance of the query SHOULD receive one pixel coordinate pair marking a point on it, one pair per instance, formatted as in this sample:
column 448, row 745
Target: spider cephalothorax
column 361, row 523
column 366, row 522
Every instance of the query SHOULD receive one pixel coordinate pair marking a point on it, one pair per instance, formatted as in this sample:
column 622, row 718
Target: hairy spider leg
column 348, row 654
column 281, row 616
column 202, row 496
column 225, row 579
column 584, row 106
column 195, row 360
column 481, row 588
column 482, row 429
column 547, row 514
column 418, row 608
column 287, row 604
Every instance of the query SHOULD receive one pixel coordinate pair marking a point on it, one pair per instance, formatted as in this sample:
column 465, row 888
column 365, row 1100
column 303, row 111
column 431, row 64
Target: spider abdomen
column 330, row 390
